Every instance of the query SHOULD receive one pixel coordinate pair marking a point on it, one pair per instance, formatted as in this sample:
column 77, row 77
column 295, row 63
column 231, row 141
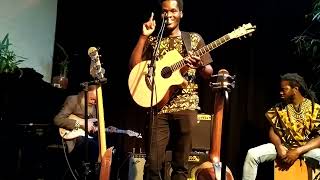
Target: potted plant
column 308, row 45
column 61, row 80
column 308, row 42
column 9, row 61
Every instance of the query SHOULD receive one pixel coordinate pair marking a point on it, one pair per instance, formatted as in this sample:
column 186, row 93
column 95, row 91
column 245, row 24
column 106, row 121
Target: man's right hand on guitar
column 92, row 127
column 193, row 61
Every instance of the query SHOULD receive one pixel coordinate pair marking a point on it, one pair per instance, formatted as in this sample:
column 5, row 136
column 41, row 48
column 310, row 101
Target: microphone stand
column 86, row 162
column 85, row 85
column 151, row 74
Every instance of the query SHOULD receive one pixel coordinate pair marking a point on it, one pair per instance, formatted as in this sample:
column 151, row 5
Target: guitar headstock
column 135, row 134
column 96, row 71
column 223, row 80
column 245, row 29
column 93, row 53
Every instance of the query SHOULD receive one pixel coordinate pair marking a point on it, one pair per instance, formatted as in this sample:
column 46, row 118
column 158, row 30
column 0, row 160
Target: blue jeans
column 267, row 152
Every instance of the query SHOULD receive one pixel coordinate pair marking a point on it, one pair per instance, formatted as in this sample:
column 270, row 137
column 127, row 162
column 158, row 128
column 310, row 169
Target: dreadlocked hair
column 295, row 80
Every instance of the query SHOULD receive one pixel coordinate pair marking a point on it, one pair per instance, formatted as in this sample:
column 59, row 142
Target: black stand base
column 89, row 171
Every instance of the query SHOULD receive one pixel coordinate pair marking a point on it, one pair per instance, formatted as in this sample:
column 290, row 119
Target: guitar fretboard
column 200, row 52
column 121, row 131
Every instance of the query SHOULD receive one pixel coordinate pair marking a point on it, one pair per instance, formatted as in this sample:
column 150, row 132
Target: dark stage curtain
column 257, row 62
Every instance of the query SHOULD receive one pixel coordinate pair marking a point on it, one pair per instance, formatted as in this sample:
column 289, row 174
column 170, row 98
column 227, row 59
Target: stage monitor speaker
column 136, row 166
column 201, row 133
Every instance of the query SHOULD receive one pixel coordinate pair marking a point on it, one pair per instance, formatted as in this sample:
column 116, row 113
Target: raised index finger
column 151, row 17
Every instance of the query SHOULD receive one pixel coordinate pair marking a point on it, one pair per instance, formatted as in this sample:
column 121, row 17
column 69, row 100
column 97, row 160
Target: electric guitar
column 71, row 134
column 167, row 71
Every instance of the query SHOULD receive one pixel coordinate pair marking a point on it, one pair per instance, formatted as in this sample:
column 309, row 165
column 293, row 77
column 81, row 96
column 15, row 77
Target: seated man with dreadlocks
column 294, row 131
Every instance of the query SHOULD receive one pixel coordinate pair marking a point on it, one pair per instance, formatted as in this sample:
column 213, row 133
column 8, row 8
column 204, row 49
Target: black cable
column 67, row 159
column 118, row 171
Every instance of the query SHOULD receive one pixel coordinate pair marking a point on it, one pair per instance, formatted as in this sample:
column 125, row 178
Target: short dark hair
column 179, row 2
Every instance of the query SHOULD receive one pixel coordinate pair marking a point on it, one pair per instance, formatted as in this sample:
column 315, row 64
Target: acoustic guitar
column 167, row 72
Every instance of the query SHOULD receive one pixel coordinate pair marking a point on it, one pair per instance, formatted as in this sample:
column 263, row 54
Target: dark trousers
column 175, row 127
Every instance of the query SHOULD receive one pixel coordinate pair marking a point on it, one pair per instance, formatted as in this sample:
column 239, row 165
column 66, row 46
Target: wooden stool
column 298, row 171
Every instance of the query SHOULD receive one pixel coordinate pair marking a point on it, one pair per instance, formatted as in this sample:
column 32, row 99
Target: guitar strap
column 186, row 40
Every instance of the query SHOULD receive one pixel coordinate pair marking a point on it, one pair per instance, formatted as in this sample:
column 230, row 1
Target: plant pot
column 11, row 76
column 60, row 82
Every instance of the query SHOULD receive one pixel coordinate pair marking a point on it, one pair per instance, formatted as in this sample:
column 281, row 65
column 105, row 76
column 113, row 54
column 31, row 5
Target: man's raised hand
column 149, row 26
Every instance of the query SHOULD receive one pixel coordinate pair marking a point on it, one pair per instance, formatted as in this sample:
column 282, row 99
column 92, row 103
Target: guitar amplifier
column 136, row 166
column 196, row 158
column 201, row 133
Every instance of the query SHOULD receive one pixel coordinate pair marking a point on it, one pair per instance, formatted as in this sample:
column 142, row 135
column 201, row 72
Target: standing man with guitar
column 177, row 110
column 74, row 106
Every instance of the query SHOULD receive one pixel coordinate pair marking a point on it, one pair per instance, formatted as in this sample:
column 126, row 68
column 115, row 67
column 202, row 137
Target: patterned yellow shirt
column 185, row 97
column 295, row 128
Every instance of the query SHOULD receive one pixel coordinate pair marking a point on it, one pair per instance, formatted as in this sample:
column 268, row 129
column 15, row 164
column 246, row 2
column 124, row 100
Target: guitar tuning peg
column 232, row 84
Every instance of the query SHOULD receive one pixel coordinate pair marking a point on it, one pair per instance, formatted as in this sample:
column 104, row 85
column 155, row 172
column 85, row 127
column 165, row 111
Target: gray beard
column 90, row 107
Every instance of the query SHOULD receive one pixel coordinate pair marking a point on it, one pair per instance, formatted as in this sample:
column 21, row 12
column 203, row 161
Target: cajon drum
column 298, row 171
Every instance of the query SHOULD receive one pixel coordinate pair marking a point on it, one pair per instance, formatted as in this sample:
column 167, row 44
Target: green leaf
column 5, row 39
column 9, row 61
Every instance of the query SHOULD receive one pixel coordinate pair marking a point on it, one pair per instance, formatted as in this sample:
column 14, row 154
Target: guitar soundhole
column 166, row 72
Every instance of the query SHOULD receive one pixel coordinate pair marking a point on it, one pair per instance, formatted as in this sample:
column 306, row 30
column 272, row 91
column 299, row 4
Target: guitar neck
column 101, row 127
column 121, row 131
column 207, row 48
column 200, row 52
column 217, row 128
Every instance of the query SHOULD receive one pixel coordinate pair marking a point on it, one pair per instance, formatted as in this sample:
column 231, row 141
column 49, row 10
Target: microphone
column 165, row 17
